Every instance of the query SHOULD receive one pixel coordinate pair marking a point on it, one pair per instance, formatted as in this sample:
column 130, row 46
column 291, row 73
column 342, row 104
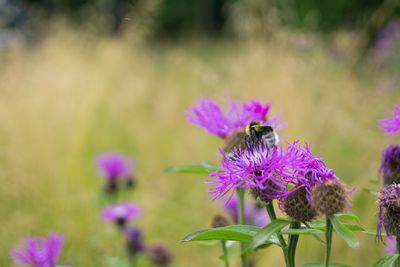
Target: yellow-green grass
column 74, row 96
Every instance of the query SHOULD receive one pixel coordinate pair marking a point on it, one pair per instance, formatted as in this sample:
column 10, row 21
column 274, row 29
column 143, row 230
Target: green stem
column 242, row 221
column 397, row 262
column 328, row 235
column 293, row 239
column 272, row 216
column 225, row 253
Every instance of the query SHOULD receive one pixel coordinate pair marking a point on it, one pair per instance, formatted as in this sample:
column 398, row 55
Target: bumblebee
column 256, row 132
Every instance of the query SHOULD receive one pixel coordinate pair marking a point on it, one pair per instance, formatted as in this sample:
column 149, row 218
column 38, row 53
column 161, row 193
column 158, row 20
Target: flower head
column 209, row 115
column 252, row 214
column 298, row 206
column 120, row 213
column 392, row 125
column 115, row 166
column 389, row 210
column 219, row 221
column 268, row 169
column 390, row 165
column 134, row 237
column 39, row 252
column 160, row 255
column 329, row 198
column 312, row 171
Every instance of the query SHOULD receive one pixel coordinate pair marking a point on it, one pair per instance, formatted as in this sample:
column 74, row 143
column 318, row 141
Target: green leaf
column 387, row 261
column 302, row 231
column 344, row 233
column 202, row 169
column 348, row 216
column 323, row 265
column 210, row 166
column 266, row 232
column 321, row 225
column 242, row 233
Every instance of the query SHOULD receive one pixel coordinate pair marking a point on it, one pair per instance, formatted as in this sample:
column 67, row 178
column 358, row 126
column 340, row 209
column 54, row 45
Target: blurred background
column 78, row 78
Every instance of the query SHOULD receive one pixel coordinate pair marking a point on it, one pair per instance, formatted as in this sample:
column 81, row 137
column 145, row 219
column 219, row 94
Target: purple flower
column 115, row 166
column 209, row 115
column 39, row 252
column 134, row 238
column 269, row 169
column 390, row 165
column 120, row 213
column 391, row 244
column 159, row 255
column 386, row 41
column 389, row 210
column 312, row 170
column 253, row 215
column 392, row 125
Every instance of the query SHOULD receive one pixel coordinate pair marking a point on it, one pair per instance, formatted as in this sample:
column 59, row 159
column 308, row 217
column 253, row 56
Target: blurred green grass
column 75, row 96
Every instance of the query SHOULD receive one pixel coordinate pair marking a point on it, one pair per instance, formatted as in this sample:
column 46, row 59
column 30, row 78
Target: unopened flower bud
column 298, row 206
column 329, row 197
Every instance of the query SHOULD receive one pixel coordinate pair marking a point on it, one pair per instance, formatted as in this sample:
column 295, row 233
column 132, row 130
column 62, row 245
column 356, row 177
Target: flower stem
column 293, row 239
column 225, row 255
column 328, row 235
column 242, row 221
column 272, row 216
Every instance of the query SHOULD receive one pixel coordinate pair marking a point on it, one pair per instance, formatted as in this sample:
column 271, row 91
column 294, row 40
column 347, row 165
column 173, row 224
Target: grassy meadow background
column 75, row 95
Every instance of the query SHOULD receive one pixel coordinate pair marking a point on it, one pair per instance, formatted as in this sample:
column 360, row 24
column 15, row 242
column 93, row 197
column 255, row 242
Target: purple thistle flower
column 159, row 255
column 392, row 125
column 120, row 213
column 253, row 215
column 389, row 210
column 209, row 115
column 312, row 170
column 269, row 169
column 134, row 237
column 39, row 252
column 391, row 244
column 390, row 165
column 114, row 166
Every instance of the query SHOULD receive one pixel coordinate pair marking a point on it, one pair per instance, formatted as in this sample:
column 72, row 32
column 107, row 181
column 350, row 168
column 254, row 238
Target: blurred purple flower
column 386, row 39
column 391, row 244
column 390, row 165
column 120, row 213
column 115, row 166
column 253, row 215
column 268, row 169
column 159, row 255
column 39, row 252
column 392, row 125
column 209, row 115
column 134, row 237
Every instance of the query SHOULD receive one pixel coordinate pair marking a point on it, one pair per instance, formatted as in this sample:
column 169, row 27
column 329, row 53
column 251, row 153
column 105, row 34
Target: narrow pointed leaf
column 217, row 235
column 345, row 233
column 202, row 169
column 302, row 231
column 268, row 231
column 243, row 233
column 387, row 261
column 348, row 216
